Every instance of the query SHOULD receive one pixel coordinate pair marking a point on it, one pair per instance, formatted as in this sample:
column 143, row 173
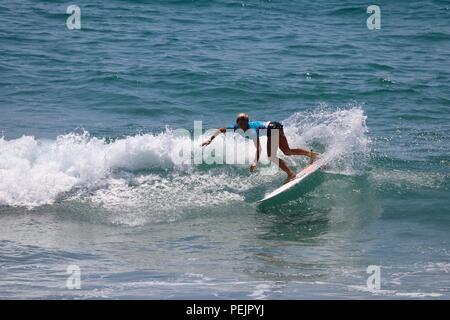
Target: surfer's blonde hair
column 241, row 116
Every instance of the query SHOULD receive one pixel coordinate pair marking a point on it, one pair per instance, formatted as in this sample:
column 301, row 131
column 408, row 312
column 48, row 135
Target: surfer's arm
column 258, row 153
column 219, row 131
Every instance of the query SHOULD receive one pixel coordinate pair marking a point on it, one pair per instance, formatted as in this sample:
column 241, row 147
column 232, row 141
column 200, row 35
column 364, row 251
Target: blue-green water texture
column 90, row 143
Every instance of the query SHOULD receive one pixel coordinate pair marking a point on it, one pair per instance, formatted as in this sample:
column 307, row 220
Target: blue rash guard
column 253, row 128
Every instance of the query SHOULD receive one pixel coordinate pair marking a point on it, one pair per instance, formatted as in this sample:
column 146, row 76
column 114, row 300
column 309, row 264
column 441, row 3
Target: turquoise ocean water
column 88, row 134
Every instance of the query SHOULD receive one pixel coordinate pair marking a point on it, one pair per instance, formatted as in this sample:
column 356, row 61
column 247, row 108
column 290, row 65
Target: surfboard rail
column 310, row 169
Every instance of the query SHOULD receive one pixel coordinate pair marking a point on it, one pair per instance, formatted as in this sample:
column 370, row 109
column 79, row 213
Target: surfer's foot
column 290, row 178
column 312, row 156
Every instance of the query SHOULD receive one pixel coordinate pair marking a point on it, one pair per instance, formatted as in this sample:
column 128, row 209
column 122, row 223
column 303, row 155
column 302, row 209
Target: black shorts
column 273, row 125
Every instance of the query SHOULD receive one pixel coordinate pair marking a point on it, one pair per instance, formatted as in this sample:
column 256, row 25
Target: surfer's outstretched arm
column 219, row 131
column 258, row 153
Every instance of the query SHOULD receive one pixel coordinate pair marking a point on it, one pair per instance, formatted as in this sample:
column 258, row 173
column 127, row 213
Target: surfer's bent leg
column 272, row 155
column 275, row 129
column 284, row 146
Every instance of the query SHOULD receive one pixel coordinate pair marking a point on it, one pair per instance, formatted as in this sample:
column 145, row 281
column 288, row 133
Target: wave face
column 145, row 169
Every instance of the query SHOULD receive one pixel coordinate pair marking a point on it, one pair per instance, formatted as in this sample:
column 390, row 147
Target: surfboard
column 302, row 175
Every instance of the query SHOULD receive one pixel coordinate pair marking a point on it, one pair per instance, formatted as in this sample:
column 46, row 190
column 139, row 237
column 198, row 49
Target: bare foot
column 290, row 178
column 313, row 157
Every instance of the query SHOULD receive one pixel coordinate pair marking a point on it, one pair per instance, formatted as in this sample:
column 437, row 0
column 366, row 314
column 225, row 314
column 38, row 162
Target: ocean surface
column 90, row 177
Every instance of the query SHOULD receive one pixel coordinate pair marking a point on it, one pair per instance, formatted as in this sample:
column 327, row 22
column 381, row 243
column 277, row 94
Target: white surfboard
column 299, row 178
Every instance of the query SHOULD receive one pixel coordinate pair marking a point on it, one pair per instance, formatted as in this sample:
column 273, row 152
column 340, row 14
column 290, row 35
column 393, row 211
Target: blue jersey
column 253, row 128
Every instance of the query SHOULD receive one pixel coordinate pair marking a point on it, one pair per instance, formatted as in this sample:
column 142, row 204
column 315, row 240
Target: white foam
column 36, row 172
column 383, row 292
column 260, row 291
column 341, row 134
column 408, row 179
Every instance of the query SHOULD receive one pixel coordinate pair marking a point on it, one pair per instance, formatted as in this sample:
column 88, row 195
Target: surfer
column 252, row 130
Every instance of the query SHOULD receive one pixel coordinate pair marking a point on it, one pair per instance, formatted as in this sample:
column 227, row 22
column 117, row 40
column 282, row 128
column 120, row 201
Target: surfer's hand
column 205, row 143
column 253, row 167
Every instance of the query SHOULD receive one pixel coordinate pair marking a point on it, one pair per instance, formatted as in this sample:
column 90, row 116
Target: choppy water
column 88, row 175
